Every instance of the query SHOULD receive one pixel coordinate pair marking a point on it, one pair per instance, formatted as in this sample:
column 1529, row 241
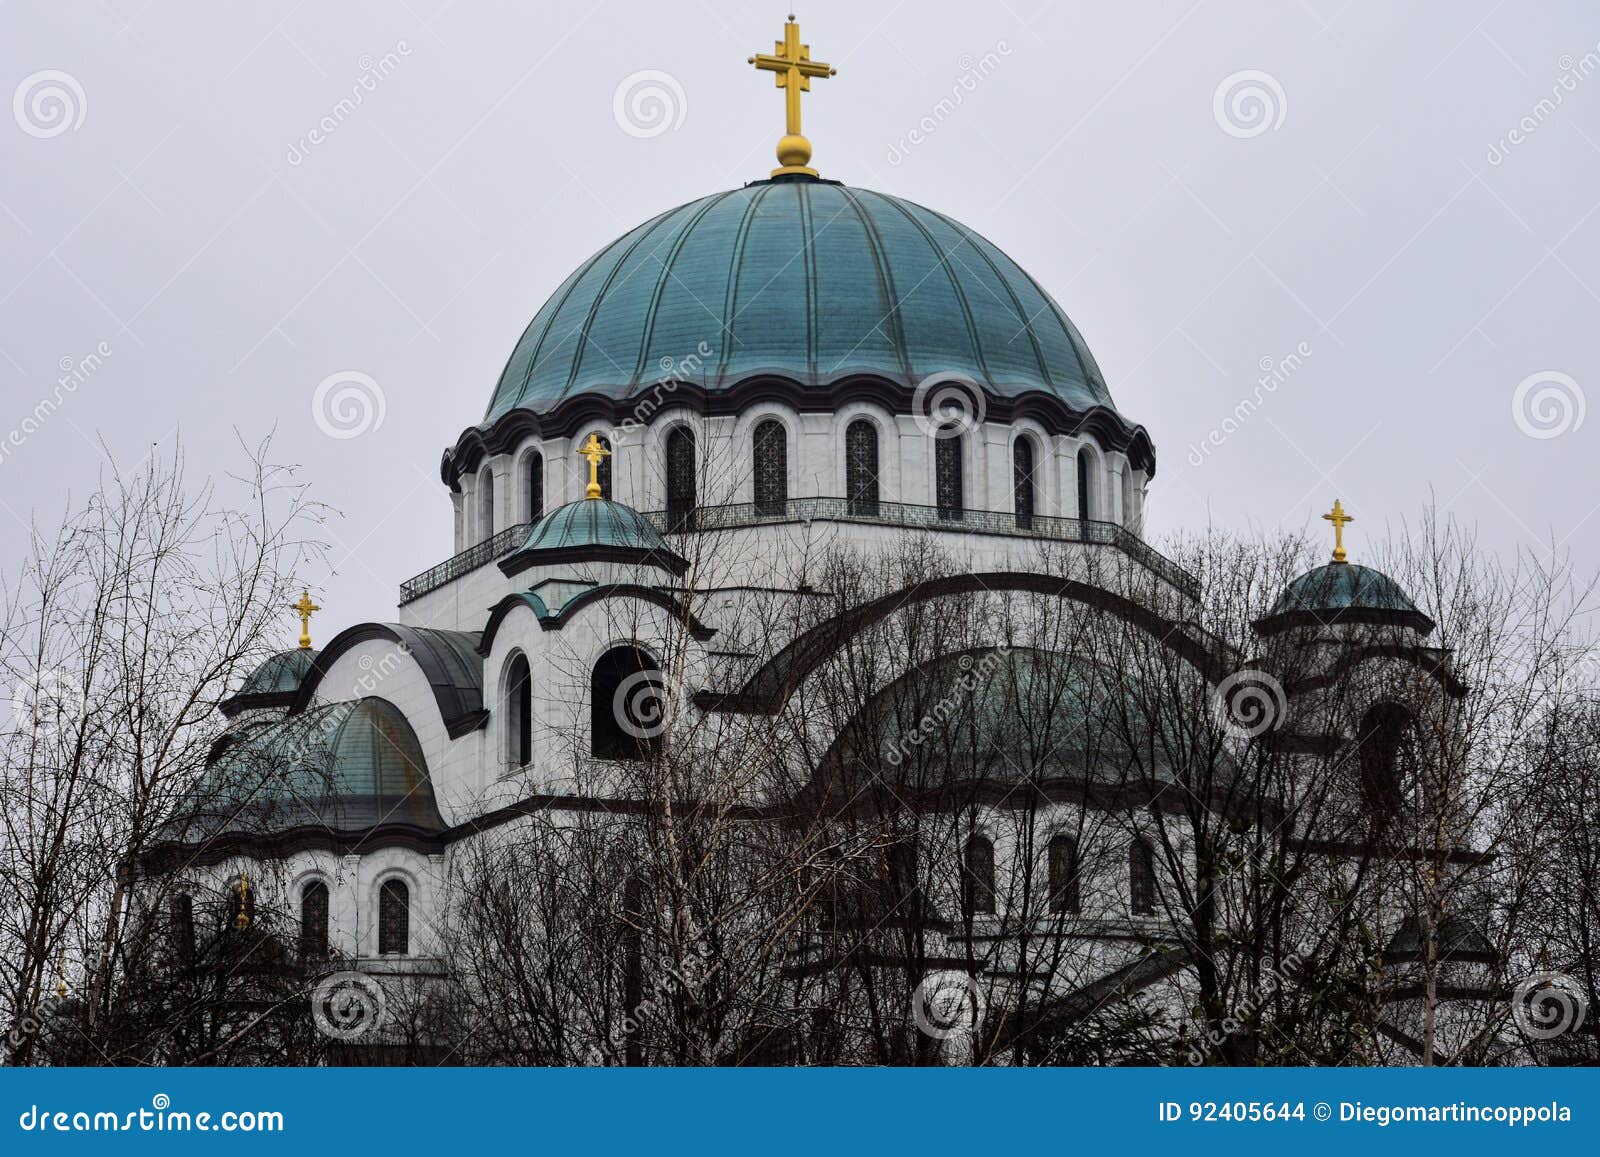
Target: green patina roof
column 594, row 522
column 807, row 279
column 281, row 673
column 344, row 766
column 1342, row 586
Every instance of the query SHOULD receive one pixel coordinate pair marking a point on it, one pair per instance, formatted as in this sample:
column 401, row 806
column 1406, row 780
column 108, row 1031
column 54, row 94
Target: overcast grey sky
column 1408, row 195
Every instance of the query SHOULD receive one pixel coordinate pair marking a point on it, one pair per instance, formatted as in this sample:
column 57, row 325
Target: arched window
column 486, row 504
column 1065, row 890
column 519, row 712
column 627, row 705
column 180, row 915
column 947, row 473
column 680, row 478
column 314, row 921
column 394, row 918
column 1130, row 502
column 771, row 468
column 1142, row 877
column 1085, row 483
column 977, row 876
column 1387, row 759
column 535, row 486
column 861, row 468
column 1022, row 481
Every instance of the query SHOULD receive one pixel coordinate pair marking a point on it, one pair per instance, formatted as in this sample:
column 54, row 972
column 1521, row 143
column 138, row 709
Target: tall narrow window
column 771, row 468
column 1130, row 501
column 900, row 880
column 1065, row 891
column 535, row 484
column 680, row 478
column 314, row 921
column 486, row 504
column 394, row 918
column 1142, row 877
column 977, row 876
column 519, row 712
column 861, row 468
column 180, row 911
column 627, row 705
column 1387, row 758
column 947, row 473
column 1085, row 498
column 1022, row 481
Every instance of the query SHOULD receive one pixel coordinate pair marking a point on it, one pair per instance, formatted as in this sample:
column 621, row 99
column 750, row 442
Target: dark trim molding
column 519, row 561
column 458, row 706
column 235, row 704
column 555, row 620
column 570, row 415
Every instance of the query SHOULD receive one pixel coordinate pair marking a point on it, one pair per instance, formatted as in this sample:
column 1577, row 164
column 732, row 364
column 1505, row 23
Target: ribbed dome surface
column 805, row 279
column 1342, row 592
column 281, row 673
column 594, row 522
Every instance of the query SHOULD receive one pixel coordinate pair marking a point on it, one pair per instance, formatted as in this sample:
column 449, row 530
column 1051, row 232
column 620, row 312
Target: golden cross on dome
column 242, row 920
column 1338, row 517
column 305, row 608
column 791, row 62
column 596, row 452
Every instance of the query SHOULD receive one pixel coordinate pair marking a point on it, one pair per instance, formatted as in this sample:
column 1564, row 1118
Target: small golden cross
column 595, row 451
column 793, row 68
column 1338, row 517
column 242, row 920
column 306, row 609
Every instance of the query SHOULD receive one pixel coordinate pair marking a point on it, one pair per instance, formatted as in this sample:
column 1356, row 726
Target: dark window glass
column 627, row 706
column 1387, row 759
column 771, row 468
column 680, row 478
column 1084, row 498
column 394, row 918
column 486, row 505
column 1142, row 878
column 519, row 696
column 1022, row 469
column 861, row 468
column 1065, row 894
column 314, row 921
column 180, row 910
column 977, row 877
column 900, row 879
column 947, row 474
column 535, row 487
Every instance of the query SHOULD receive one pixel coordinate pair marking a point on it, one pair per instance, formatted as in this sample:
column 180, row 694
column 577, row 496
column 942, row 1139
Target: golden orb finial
column 1339, row 518
column 793, row 69
column 241, row 921
column 305, row 608
column 595, row 451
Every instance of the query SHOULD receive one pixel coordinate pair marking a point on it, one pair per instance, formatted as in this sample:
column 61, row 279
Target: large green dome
column 802, row 279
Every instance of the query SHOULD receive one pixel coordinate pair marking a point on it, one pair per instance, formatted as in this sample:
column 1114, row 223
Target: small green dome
column 1342, row 592
column 281, row 673
column 804, row 279
column 592, row 529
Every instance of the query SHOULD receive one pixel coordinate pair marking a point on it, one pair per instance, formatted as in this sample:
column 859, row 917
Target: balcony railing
column 469, row 560
column 748, row 514
column 1009, row 524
